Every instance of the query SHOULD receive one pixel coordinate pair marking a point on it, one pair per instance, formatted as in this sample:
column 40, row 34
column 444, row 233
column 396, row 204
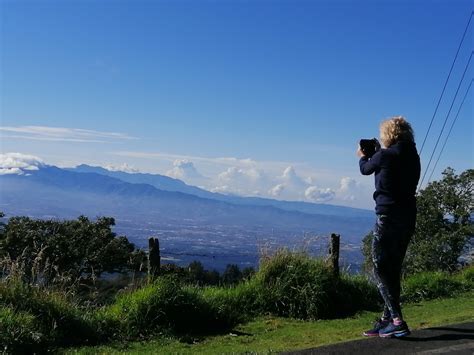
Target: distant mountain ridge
column 62, row 193
column 159, row 181
column 169, row 184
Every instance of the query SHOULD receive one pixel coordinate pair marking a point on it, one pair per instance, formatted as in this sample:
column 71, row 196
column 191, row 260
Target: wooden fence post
column 154, row 258
column 334, row 253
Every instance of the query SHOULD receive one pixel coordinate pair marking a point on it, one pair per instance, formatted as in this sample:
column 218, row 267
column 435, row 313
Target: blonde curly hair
column 394, row 130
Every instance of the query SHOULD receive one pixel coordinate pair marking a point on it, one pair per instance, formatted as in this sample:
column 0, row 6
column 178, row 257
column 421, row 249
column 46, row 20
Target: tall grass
column 236, row 304
column 19, row 331
column 294, row 285
column 40, row 318
column 163, row 306
column 289, row 284
column 436, row 284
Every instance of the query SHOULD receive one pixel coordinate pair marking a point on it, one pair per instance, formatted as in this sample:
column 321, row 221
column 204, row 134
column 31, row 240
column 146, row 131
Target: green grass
column 35, row 319
column 274, row 334
column 288, row 285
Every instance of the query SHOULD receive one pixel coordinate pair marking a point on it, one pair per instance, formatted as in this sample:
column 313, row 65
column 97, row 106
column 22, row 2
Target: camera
column 369, row 146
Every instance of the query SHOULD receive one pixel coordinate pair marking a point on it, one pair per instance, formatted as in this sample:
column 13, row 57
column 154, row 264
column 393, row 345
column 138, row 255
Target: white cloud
column 61, row 134
column 276, row 190
column 224, row 189
column 349, row 189
column 348, row 184
column 243, row 181
column 293, row 181
column 289, row 185
column 289, row 175
column 316, row 194
column 124, row 167
column 186, row 171
column 17, row 163
column 234, row 173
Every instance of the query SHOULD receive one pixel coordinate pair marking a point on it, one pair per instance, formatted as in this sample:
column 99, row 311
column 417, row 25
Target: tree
column 248, row 272
column 49, row 250
column 196, row 272
column 231, row 274
column 444, row 223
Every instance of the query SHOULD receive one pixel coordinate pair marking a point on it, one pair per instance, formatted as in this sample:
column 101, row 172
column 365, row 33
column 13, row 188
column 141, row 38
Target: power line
column 446, row 82
column 450, row 129
column 446, row 119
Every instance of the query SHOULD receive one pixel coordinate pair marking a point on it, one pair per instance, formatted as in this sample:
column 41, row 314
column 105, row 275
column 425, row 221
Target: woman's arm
column 369, row 166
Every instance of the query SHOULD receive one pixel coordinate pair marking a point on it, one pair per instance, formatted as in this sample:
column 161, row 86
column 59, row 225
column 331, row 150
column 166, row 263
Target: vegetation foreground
column 289, row 285
column 275, row 334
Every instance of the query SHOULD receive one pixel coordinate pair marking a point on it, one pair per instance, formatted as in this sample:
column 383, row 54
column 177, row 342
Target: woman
column 397, row 171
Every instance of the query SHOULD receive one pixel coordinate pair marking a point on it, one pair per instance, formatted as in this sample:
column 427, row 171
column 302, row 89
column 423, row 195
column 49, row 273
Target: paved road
column 451, row 339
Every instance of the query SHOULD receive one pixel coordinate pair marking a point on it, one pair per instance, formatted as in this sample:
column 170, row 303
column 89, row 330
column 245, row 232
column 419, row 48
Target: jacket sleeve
column 369, row 166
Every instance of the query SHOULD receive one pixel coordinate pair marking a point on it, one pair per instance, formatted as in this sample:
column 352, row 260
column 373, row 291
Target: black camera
column 369, row 146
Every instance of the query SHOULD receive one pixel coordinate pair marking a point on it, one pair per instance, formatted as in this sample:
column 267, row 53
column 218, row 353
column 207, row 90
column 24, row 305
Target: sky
column 256, row 98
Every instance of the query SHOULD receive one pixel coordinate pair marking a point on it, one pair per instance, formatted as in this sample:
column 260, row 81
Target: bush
column 19, row 331
column 235, row 304
column 163, row 306
column 355, row 293
column 430, row 285
column 294, row 285
column 291, row 284
column 466, row 276
column 42, row 318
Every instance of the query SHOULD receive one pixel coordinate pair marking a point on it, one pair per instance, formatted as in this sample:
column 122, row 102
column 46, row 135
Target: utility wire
column 446, row 83
column 450, row 129
column 446, row 119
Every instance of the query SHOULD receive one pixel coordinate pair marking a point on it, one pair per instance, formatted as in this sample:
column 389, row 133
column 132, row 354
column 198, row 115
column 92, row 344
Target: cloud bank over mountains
column 243, row 177
column 19, row 164
column 250, row 178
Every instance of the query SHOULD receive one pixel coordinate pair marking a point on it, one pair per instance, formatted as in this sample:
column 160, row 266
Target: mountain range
column 169, row 184
column 145, row 204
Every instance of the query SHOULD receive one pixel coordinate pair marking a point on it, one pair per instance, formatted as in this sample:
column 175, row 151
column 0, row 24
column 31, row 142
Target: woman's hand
column 360, row 153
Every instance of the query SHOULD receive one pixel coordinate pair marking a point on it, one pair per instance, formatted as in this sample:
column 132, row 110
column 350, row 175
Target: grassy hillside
column 275, row 334
column 289, row 289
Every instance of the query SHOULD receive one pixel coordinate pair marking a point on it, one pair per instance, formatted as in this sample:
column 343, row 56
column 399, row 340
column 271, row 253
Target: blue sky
column 252, row 97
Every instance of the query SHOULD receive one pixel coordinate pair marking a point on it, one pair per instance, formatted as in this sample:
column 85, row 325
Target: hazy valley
column 191, row 223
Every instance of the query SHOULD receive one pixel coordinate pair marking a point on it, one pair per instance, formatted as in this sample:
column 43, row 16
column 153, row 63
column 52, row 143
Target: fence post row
column 154, row 257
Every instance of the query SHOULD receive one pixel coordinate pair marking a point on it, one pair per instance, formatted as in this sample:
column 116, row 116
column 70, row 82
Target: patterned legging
column 389, row 246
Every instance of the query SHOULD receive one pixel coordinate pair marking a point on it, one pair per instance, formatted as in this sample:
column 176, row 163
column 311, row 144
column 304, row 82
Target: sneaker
column 378, row 325
column 392, row 330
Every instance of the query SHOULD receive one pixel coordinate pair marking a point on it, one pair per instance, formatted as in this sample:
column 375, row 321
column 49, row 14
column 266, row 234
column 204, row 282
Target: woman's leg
column 387, row 257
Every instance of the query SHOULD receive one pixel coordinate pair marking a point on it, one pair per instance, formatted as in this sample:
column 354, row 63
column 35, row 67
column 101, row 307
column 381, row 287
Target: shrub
column 466, row 276
column 295, row 285
column 292, row 284
column 57, row 322
column 18, row 331
column 235, row 304
column 430, row 285
column 355, row 293
column 163, row 306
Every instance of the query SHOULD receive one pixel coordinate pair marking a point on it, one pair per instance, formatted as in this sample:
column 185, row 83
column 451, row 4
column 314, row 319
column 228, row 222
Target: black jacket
column 397, row 171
